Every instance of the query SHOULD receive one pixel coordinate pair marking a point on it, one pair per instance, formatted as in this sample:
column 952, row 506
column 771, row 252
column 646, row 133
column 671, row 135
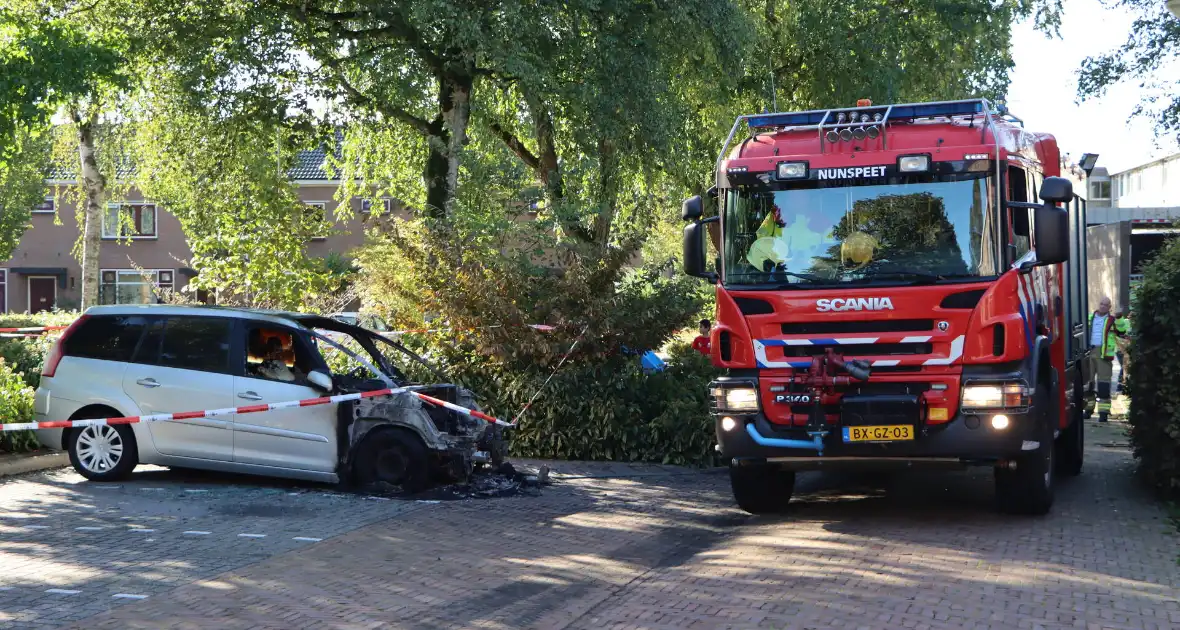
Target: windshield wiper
column 920, row 277
column 802, row 276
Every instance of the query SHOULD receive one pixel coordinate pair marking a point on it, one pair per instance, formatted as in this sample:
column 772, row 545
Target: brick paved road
column 607, row 546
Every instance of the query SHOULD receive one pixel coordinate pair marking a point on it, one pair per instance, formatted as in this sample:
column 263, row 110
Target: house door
column 42, row 294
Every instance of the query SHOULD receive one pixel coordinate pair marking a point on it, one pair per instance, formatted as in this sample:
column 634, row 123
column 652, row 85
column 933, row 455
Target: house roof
column 309, row 165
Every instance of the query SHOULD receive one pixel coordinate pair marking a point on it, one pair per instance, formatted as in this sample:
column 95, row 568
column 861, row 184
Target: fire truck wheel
column 1071, row 449
column 761, row 489
column 1029, row 488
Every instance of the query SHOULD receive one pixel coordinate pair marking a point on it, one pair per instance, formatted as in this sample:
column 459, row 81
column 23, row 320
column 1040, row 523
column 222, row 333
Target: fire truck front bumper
column 964, row 440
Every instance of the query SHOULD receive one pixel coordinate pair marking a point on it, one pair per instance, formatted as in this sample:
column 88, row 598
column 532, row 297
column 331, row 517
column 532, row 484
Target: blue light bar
column 800, row 119
column 961, row 108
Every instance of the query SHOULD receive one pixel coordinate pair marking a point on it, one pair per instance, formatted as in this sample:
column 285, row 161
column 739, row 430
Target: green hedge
column 1155, row 372
column 20, row 370
column 611, row 410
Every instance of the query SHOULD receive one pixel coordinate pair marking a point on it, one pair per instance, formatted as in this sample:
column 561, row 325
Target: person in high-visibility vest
column 780, row 243
column 1104, row 331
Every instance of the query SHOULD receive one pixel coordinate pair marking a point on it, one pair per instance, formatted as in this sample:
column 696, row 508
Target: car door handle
column 147, row 382
column 249, row 396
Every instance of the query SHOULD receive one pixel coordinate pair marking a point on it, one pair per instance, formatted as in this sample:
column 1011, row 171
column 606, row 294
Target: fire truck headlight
column 728, row 424
column 995, row 396
column 792, row 170
column 846, row 134
column 873, row 132
column 832, row 136
column 735, row 398
column 859, row 133
column 913, row 163
column 741, row 399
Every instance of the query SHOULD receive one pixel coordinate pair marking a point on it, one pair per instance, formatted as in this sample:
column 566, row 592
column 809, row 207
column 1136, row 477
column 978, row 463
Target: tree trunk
column 548, row 170
column 446, row 144
column 608, row 191
column 94, row 185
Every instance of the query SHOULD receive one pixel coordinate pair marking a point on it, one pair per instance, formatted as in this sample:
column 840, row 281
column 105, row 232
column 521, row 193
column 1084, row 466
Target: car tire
column 103, row 452
column 392, row 457
column 1029, row 489
column 761, row 489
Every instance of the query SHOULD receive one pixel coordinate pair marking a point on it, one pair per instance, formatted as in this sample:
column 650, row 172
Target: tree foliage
column 1152, row 48
column 46, row 61
column 1154, row 381
column 225, row 179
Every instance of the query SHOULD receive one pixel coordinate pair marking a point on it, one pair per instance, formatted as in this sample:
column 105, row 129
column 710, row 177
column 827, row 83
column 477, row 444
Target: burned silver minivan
column 135, row 360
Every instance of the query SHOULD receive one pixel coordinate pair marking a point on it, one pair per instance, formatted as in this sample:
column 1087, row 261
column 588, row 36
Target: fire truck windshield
column 895, row 229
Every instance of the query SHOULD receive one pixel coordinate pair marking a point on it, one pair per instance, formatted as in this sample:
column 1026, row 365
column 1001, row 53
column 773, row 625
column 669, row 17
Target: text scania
column 854, row 304
column 849, row 173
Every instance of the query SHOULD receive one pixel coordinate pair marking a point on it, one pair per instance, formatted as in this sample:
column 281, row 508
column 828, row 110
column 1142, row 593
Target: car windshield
column 889, row 229
column 399, row 363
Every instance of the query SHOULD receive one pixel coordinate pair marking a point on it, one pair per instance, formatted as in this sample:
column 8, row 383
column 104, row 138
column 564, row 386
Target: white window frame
column 109, row 236
column 52, row 206
column 29, row 291
column 387, row 202
column 4, row 276
column 136, row 272
column 323, row 206
column 1097, row 183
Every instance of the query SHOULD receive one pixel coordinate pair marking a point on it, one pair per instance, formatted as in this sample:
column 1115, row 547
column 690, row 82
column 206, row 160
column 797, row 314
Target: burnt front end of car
column 451, row 438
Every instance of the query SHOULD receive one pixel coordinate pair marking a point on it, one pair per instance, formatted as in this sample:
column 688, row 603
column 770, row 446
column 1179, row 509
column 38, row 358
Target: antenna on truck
column 773, row 95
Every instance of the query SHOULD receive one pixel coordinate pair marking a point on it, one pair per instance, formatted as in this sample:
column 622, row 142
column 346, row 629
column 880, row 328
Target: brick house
column 43, row 272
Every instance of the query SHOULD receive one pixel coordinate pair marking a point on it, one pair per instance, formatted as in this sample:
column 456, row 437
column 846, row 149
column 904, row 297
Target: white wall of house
column 1152, row 185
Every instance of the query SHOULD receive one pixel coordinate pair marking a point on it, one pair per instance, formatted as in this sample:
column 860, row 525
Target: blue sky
column 1044, row 89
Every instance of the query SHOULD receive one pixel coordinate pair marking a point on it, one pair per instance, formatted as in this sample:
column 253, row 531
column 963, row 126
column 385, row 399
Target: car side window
column 187, row 343
column 106, row 338
column 277, row 354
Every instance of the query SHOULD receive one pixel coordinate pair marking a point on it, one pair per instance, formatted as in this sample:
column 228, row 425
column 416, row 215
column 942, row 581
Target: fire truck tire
column 1071, row 447
column 761, row 489
column 1029, row 488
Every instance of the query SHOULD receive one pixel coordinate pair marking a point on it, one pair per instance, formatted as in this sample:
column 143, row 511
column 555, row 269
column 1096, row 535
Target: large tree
column 46, row 62
column 1152, row 45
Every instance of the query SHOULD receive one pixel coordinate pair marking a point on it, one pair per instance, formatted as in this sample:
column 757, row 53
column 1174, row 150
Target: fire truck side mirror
column 1056, row 190
column 694, row 250
column 692, row 208
column 1052, row 234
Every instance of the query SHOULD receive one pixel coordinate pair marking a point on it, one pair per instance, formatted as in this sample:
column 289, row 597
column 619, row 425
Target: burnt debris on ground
column 484, row 483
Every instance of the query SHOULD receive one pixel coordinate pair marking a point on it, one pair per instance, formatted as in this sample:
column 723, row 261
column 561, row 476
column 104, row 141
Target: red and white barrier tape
column 211, row 413
column 34, row 330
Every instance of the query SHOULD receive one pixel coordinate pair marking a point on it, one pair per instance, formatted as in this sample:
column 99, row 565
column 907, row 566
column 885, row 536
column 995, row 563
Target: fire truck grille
column 860, row 349
column 867, row 389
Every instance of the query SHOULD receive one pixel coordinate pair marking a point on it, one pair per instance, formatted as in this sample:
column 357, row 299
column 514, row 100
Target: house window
column 3, row 290
column 135, row 286
column 318, row 214
column 45, row 207
column 1100, row 190
column 367, row 205
column 129, row 220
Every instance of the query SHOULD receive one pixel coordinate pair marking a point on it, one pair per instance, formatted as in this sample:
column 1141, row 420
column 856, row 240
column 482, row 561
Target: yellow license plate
column 879, row 434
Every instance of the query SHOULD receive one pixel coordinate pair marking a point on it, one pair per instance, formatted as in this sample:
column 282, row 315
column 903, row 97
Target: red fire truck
column 890, row 293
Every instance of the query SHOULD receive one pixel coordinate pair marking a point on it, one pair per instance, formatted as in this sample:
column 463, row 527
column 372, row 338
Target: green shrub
column 605, row 410
column 601, row 405
column 1155, row 372
column 16, row 405
column 26, row 355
